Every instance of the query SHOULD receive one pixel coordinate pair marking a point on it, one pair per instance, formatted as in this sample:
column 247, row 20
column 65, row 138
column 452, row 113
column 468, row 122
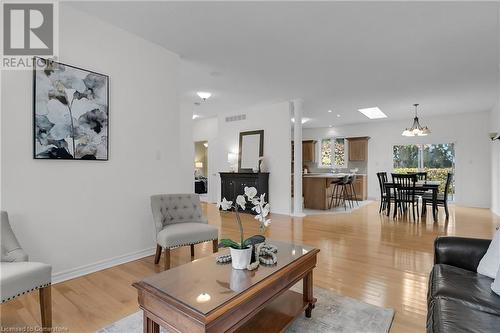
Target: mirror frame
column 261, row 148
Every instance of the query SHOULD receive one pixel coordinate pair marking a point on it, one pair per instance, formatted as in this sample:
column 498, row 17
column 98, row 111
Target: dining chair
column 442, row 198
column 384, row 196
column 405, row 189
column 420, row 175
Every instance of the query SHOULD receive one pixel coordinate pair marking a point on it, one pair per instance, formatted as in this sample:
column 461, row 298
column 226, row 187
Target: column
column 297, row 157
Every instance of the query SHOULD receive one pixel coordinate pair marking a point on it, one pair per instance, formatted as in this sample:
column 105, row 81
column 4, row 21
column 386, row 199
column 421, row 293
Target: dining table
column 420, row 186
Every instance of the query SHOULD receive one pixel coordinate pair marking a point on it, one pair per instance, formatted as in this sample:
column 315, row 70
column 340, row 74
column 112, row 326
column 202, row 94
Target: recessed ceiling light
column 304, row 120
column 330, row 126
column 373, row 113
column 204, row 95
column 338, row 116
column 195, row 116
column 329, row 111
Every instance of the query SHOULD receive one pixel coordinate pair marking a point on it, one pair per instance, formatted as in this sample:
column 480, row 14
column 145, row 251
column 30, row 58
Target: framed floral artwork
column 70, row 112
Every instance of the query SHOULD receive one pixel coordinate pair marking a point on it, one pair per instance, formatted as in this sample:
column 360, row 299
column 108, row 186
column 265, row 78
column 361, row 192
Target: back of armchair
column 176, row 208
column 11, row 249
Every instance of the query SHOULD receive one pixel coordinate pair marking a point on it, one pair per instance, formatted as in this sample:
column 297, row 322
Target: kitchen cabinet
column 358, row 149
column 361, row 187
column 309, row 151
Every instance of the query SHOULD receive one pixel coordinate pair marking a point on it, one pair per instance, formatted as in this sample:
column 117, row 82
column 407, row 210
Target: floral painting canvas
column 70, row 112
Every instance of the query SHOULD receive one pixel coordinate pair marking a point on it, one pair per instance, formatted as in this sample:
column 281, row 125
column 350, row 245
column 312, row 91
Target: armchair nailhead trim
column 25, row 292
column 186, row 244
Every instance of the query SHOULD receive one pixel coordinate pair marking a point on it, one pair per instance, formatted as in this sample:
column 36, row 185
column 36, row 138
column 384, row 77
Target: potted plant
column 241, row 253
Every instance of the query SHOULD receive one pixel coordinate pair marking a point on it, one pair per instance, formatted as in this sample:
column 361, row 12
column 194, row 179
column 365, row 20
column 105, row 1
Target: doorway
column 201, row 169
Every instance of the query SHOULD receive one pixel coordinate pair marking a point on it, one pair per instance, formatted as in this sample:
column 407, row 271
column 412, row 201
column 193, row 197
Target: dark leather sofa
column 459, row 299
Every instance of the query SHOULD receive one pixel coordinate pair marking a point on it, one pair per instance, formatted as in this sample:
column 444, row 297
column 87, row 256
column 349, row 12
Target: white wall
column 468, row 131
column 495, row 161
column 223, row 138
column 74, row 214
column 495, row 146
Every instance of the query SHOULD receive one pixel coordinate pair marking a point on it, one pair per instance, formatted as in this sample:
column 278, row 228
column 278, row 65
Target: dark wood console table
column 234, row 183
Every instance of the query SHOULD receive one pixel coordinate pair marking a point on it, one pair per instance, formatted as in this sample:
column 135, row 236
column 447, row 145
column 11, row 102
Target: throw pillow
column 490, row 262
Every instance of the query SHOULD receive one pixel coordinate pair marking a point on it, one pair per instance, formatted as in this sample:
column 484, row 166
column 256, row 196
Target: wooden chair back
column 382, row 179
column 405, row 186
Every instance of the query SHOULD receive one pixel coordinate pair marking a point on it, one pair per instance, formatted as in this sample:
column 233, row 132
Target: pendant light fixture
column 416, row 129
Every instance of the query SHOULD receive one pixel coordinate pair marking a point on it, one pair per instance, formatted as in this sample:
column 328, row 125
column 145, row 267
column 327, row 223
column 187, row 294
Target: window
column 338, row 146
column 436, row 159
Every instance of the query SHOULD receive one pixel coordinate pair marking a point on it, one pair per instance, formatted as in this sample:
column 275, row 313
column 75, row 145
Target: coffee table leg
column 308, row 293
column 150, row 326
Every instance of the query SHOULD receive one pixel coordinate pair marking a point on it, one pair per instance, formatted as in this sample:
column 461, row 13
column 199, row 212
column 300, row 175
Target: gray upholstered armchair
column 19, row 276
column 179, row 221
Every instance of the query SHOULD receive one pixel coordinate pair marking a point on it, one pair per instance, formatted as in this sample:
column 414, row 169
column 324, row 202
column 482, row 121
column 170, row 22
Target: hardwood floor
column 363, row 255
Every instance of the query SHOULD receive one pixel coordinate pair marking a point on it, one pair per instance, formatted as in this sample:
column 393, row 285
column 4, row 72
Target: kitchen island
column 317, row 188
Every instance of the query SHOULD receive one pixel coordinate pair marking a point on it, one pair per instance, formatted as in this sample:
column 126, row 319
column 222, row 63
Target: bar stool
column 335, row 194
column 342, row 192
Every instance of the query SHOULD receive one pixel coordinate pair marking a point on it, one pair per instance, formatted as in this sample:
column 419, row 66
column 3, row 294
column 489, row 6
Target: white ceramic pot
column 241, row 258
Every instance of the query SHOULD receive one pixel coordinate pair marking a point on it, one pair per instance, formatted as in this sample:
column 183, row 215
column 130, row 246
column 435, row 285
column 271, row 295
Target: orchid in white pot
column 241, row 252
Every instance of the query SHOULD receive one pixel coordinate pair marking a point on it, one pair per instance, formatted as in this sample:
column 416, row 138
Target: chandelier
column 416, row 129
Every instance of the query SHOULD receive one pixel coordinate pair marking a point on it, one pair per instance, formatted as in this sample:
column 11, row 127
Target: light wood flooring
column 363, row 255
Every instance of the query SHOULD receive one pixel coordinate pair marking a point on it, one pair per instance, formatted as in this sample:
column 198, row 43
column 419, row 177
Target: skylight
column 373, row 113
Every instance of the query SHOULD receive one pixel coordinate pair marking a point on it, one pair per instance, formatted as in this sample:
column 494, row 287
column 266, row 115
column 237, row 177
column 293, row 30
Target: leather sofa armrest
column 460, row 252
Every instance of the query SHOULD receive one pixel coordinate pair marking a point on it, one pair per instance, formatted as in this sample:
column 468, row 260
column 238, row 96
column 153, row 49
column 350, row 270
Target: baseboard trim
column 100, row 265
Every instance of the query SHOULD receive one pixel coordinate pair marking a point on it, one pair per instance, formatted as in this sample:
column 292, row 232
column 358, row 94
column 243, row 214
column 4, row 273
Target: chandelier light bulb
column 204, row 95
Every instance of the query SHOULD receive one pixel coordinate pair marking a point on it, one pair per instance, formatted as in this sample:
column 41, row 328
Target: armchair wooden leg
column 158, row 254
column 167, row 258
column 215, row 245
column 46, row 308
column 192, row 251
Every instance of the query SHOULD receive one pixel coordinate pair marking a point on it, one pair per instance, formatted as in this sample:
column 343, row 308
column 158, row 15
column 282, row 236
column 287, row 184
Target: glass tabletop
column 204, row 285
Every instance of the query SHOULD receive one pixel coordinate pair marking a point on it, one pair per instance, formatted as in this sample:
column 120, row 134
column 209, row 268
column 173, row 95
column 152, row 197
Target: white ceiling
column 334, row 55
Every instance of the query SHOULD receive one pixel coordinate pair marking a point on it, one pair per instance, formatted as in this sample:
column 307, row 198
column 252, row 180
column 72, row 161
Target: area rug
column 333, row 313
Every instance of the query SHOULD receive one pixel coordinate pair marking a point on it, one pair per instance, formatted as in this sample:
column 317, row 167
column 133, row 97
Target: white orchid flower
column 240, row 200
column 267, row 222
column 225, row 205
column 250, row 192
column 257, row 208
column 265, row 210
column 258, row 201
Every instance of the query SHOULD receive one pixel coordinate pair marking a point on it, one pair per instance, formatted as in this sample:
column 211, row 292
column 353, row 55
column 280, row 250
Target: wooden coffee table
column 203, row 296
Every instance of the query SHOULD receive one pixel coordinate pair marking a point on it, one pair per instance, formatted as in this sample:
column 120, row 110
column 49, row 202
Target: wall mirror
column 251, row 149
